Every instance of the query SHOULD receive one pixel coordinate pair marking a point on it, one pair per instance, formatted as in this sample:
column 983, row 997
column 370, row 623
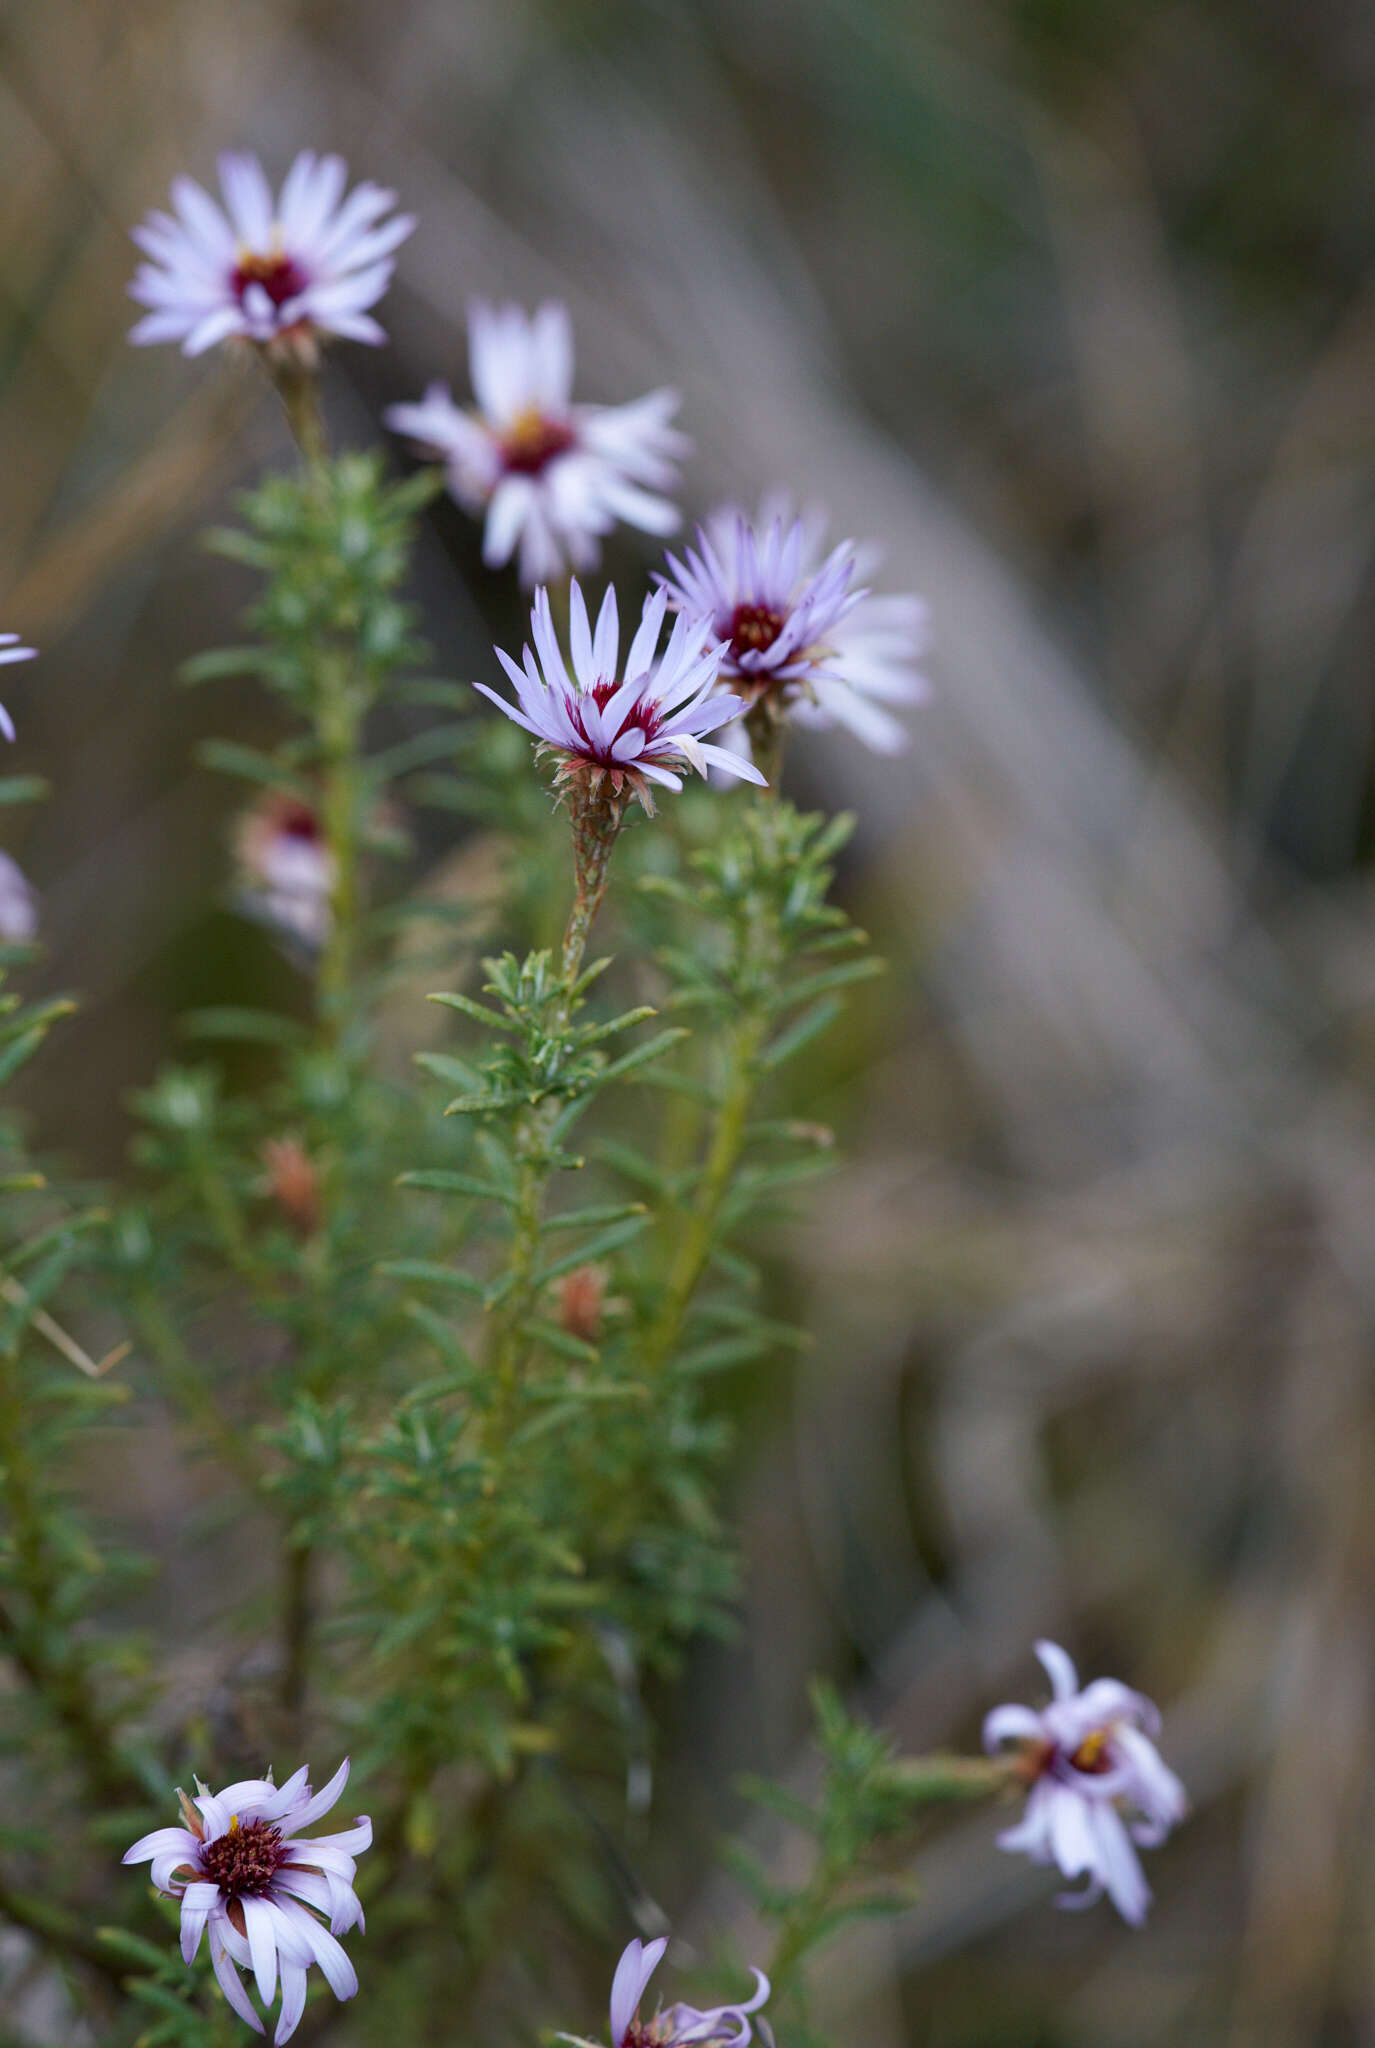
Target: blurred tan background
column 1069, row 304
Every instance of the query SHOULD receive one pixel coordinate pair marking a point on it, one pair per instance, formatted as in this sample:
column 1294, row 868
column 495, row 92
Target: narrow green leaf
column 602, row 1212
column 479, row 1012
column 848, row 972
column 629, row 1062
column 474, row 1104
column 442, row 1336
column 262, row 1027
column 432, row 1271
column 631, row 1165
column 436, row 743
column 587, row 1254
column 594, row 1033
column 718, row 1356
column 221, row 661
column 445, row 1181
column 562, row 1341
column 444, row 1067
column 227, row 757
column 18, row 1051
column 23, row 789
column 810, row 1025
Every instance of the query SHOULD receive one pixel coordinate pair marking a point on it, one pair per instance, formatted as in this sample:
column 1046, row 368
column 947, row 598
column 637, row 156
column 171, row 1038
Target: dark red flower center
column 244, row 1861
column 640, row 2034
column 753, row 627
column 298, row 821
column 532, row 441
column 641, row 716
column 1092, row 1757
column 279, row 277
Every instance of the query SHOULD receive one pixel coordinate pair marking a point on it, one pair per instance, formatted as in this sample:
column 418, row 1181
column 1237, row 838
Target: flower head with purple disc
column 804, row 640
column 628, row 727
column 278, row 270
column 267, row 1899
column 1098, row 1786
column 551, row 477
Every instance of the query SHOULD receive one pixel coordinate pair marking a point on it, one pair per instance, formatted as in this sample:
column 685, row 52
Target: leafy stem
column 724, row 1149
column 596, row 820
column 297, row 384
column 338, row 722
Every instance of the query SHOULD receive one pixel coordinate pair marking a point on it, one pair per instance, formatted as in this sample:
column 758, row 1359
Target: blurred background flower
column 1066, row 303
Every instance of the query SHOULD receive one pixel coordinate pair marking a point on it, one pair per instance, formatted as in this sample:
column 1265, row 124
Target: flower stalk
column 767, row 730
column 597, row 813
column 696, row 1234
column 296, row 381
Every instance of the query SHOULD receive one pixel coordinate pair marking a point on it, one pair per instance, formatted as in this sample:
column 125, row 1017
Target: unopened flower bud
column 293, row 1183
column 582, row 1303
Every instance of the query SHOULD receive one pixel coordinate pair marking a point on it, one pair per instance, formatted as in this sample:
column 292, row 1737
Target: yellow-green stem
column 925, row 1780
column 697, row 1237
column 596, row 822
column 338, row 724
column 766, row 731
column 338, row 731
column 297, row 384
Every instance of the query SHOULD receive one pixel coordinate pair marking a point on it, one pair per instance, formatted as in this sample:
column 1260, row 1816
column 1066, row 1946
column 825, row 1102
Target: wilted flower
column 803, row 641
column 287, row 871
column 18, row 904
column 10, row 650
column 246, row 1879
column 722, row 2026
column 551, row 476
column 1097, row 1782
column 270, row 270
column 614, row 727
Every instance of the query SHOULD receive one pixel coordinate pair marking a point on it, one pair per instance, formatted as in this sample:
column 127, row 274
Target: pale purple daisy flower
column 805, row 641
column 270, row 270
column 721, row 2026
column 621, row 727
column 249, row 1882
column 552, row 477
column 18, row 904
column 287, row 872
column 1098, row 1784
column 10, row 650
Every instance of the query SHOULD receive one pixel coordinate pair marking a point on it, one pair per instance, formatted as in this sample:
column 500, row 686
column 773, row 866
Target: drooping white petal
column 260, row 1930
column 728, row 763
column 198, row 1901
column 293, row 2002
column 1118, row 1866
column 339, row 1972
column 1011, row 1724
column 160, row 1842
column 227, row 1977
